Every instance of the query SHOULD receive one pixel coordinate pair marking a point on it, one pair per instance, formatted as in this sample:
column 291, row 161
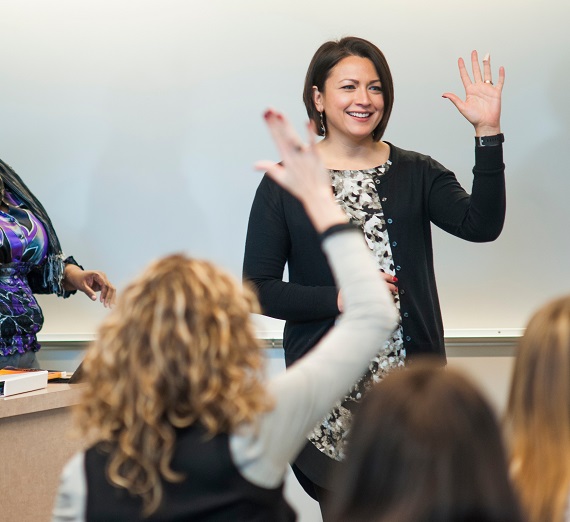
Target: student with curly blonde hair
column 538, row 414
column 181, row 423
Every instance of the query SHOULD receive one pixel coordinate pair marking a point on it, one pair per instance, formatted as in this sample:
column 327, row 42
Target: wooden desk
column 34, row 446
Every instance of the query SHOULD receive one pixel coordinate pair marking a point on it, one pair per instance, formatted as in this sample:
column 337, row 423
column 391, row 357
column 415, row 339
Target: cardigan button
column 390, row 221
column 401, row 291
column 384, row 199
column 377, row 181
column 406, row 314
column 398, row 268
column 408, row 338
column 394, row 243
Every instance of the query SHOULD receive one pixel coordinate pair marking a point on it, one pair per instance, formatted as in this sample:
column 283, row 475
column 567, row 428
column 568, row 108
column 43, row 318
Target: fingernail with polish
column 487, row 57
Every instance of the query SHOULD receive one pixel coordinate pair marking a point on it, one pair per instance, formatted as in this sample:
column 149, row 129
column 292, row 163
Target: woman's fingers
column 275, row 171
column 501, row 80
column 88, row 291
column 464, row 75
column 482, row 103
column 479, row 77
column 107, row 290
column 95, row 281
column 476, row 68
column 456, row 100
column 283, row 133
column 487, row 78
column 391, row 282
column 108, row 295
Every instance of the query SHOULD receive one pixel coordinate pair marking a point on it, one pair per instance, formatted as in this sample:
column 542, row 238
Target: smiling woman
column 393, row 195
column 353, row 103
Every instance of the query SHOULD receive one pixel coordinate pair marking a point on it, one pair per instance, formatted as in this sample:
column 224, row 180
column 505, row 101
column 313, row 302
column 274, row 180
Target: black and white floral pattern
column 356, row 193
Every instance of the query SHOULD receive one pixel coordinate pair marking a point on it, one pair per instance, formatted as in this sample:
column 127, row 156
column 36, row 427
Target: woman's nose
column 362, row 97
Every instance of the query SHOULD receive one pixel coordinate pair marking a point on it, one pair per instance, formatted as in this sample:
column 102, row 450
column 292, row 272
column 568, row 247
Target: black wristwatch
column 489, row 141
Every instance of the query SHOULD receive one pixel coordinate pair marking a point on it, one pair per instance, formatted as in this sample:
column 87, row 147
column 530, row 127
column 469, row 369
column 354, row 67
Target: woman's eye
column 376, row 88
column 347, row 87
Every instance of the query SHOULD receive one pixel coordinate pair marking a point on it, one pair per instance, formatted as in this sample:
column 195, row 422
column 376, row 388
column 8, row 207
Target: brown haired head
column 330, row 54
column 179, row 349
column 425, row 445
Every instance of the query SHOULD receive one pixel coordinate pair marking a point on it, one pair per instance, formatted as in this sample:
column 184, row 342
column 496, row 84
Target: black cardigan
column 415, row 192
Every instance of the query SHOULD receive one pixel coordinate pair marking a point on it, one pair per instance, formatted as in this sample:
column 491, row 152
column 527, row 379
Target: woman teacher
column 393, row 195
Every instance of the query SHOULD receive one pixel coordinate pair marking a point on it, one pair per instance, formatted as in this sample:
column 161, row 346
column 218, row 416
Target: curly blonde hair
column 538, row 413
column 179, row 349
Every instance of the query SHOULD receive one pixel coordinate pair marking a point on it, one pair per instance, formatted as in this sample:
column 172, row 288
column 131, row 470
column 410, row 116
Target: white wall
column 137, row 123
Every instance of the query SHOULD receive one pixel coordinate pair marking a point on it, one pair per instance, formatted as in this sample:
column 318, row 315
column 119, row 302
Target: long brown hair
column 179, row 349
column 538, row 413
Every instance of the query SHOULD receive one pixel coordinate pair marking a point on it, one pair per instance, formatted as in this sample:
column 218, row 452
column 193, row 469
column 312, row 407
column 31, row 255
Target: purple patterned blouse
column 23, row 245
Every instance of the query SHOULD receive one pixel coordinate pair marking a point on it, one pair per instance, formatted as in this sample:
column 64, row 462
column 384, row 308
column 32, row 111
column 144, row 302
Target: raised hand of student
column 302, row 172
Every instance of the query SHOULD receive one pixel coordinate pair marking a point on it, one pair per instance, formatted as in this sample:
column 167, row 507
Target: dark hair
column 425, row 447
column 327, row 56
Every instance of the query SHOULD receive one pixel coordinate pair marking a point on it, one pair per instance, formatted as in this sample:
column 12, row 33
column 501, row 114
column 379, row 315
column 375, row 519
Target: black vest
column 214, row 489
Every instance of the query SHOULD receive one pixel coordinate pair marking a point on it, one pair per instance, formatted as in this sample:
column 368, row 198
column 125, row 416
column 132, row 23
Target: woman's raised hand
column 482, row 104
column 302, row 172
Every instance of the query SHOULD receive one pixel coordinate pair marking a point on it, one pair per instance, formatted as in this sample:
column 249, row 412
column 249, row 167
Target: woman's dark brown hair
column 425, row 446
column 327, row 56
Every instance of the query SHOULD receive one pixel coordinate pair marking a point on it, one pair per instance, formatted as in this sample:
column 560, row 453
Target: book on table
column 52, row 374
column 14, row 382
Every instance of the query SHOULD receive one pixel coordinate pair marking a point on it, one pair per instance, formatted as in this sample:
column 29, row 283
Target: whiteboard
column 137, row 124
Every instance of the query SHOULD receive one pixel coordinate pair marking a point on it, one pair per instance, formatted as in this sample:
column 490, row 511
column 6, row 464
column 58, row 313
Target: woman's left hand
column 482, row 105
column 90, row 282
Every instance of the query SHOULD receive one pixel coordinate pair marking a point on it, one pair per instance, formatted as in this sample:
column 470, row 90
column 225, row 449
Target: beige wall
column 488, row 363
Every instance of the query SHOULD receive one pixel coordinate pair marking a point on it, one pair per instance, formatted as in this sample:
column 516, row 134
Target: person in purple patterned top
column 31, row 261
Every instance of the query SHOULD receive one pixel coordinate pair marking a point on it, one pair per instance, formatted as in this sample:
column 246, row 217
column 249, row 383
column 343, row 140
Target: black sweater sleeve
column 268, row 247
column 477, row 217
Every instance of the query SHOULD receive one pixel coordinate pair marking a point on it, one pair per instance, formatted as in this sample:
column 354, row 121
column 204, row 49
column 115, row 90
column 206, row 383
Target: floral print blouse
column 357, row 196
column 23, row 245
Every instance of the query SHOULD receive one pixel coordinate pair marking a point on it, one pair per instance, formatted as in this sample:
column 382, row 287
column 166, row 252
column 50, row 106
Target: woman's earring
column 323, row 128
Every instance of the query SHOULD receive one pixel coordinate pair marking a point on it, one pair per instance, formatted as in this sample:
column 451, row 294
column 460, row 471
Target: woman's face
column 352, row 100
